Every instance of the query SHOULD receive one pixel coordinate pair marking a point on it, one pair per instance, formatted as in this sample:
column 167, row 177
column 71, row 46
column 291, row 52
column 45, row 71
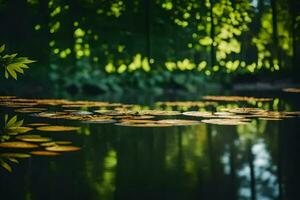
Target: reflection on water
column 208, row 161
column 14, row 137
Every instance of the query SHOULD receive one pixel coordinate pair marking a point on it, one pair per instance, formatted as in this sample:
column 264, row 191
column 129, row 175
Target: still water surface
column 258, row 160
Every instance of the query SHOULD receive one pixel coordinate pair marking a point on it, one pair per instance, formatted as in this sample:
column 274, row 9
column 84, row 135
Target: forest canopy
column 144, row 43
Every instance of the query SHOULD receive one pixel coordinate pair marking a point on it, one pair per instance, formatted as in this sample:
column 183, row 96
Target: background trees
column 105, row 45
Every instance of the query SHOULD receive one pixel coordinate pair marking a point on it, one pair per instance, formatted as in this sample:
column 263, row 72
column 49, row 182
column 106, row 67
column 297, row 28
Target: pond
column 208, row 147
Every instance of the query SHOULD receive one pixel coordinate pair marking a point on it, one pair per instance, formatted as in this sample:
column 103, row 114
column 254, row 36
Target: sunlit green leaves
column 12, row 122
column 13, row 126
column 16, row 65
column 13, row 64
column 5, row 165
column 6, row 159
column 2, row 48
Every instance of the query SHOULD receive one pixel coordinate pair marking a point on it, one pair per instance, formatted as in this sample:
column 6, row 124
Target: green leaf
column 19, row 123
column 6, row 166
column 11, row 122
column 6, row 74
column 13, row 160
column 4, row 138
column 2, row 48
column 25, row 67
column 13, row 55
column 24, row 60
column 5, row 118
column 14, row 64
column 12, row 73
column 19, row 69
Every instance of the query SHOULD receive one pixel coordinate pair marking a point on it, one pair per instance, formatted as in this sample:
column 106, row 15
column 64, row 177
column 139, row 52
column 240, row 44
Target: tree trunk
column 275, row 32
column 148, row 28
column 212, row 36
column 294, row 44
column 45, row 33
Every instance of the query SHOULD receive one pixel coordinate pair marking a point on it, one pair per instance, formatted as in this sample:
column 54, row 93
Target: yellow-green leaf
column 2, row 48
column 19, row 123
column 5, row 118
column 6, row 74
column 13, row 160
column 11, row 122
column 6, row 166
column 12, row 73
column 19, row 69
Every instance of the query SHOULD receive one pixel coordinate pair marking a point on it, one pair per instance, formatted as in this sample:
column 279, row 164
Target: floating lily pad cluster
column 17, row 136
column 127, row 114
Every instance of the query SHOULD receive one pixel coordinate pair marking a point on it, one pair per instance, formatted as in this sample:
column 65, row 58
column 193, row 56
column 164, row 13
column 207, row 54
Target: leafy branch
column 12, row 123
column 13, row 64
column 6, row 159
column 11, row 127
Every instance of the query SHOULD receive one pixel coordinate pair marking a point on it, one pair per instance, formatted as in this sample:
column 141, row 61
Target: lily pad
column 44, row 153
column 100, row 121
column 62, row 148
column 58, row 128
column 15, row 155
column 270, row 119
column 81, row 113
column 48, row 144
column 30, row 110
column 159, row 112
column 179, row 122
column 293, row 113
column 134, row 117
column 49, row 114
column 54, row 143
column 223, row 113
column 113, row 112
column 18, row 145
column 145, row 125
column 198, row 114
column 225, row 121
column 38, row 124
column 138, row 121
column 33, row 138
column 244, row 110
column 292, row 90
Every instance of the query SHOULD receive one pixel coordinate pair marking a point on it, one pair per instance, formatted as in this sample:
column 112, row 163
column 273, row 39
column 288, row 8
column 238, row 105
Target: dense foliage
column 106, row 45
